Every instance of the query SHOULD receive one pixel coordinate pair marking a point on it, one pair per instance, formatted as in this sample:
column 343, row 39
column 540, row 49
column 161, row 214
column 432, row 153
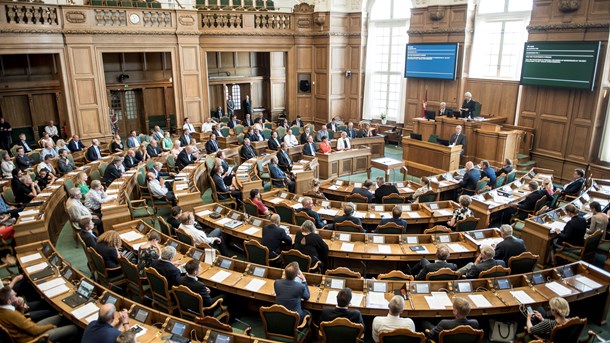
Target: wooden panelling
column 497, row 98
column 154, row 101
column 44, row 108
column 16, row 110
column 304, row 58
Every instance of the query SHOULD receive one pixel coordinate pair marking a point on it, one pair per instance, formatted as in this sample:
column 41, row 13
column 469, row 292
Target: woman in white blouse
column 96, row 197
column 290, row 139
column 7, row 166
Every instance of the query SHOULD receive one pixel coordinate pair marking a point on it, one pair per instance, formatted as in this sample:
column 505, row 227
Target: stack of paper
column 442, row 298
column 55, row 291
column 297, row 206
column 384, row 249
column 29, row 258
column 251, row 231
column 356, row 299
column 36, row 267
column 377, row 299
column 413, row 215
column 220, row 276
column 347, row 247
column 204, row 213
column 255, row 284
column 84, row 311
column 434, row 303
column 223, row 221
column 587, row 281
column 331, row 298
column 559, row 289
column 457, row 247
column 522, row 297
column 444, row 212
column 131, row 236
column 479, row 300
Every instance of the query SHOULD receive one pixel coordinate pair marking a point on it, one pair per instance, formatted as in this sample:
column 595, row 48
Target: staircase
column 524, row 164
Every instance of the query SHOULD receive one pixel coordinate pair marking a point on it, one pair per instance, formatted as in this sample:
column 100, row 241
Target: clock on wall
column 134, row 18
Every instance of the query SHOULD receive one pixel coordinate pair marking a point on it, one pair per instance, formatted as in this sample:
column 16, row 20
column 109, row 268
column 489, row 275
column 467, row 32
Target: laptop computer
column 81, row 296
column 54, row 261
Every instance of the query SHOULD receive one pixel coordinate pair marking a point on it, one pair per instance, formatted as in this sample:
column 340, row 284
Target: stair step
column 527, row 164
column 522, row 157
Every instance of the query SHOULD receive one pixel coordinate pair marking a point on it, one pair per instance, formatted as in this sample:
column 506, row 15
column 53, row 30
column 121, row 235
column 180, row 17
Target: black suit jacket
column 232, row 124
column 220, row 187
column 458, row 140
column 273, row 144
column 331, row 313
column 317, row 220
column 30, row 145
column 153, row 151
column 432, row 267
column 185, row 140
column 574, row 231
column 111, row 173
column 109, row 254
column 384, row 190
column 92, row 155
column 351, row 133
column 130, row 162
column 509, row 247
column 273, row 238
column 303, row 138
column 74, row 146
column 398, row 221
column 88, row 237
column 24, row 162
column 197, row 287
column 473, row 273
column 210, row 147
column 248, row 122
column 364, row 192
column 298, row 123
column 184, row 159
column 448, row 324
column 470, row 106
column 247, row 152
column 529, row 203
column 167, row 270
column 447, row 112
column 308, row 150
column 284, row 160
column 574, row 187
column 247, row 106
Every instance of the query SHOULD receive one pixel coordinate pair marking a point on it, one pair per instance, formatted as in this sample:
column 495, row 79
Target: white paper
column 413, row 215
column 378, row 299
column 457, row 247
column 251, row 231
column 55, row 291
column 555, row 225
column 522, row 297
column 220, row 276
column 223, row 221
column 255, row 284
column 276, row 200
column 29, row 258
column 36, row 267
column 297, row 206
column 142, row 332
column 51, row 283
column 91, row 318
column 346, row 237
column 378, row 208
column 425, row 251
column 479, row 300
column 442, row 298
column 357, row 299
column 329, row 212
column 131, row 236
column 28, row 212
column 204, row 213
column 137, row 246
column 331, row 298
column 587, row 281
column 26, row 219
column 333, row 187
column 84, row 311
column 378, row 239
column 445, row 212
column 557, row 288
column 384, row 249
column 434, row 303
column 360, row 215
column 347, row 247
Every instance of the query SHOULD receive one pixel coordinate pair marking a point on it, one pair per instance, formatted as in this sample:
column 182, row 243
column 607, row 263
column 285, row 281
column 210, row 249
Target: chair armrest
column 315, row 266
column 306, row 322
column 275, row 258
column 42, row 338
column 215, row 304
column 141, row 201
column 113, row 269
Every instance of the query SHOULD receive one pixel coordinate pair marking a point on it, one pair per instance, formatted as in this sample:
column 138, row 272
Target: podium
column 425, row 158
column 341, row 163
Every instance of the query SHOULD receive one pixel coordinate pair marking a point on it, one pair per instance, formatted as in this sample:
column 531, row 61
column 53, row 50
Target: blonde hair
column 465, row 200
column 80, row 178
column 560, row 306
column 110, row 238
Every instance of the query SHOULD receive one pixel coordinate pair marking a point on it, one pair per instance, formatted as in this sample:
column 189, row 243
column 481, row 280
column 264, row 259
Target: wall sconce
column 348, row 73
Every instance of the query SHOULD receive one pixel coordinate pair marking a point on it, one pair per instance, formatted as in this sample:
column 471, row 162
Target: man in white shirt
column 343, row 143
column 290, row 139
column 187, row 125
column 158, row 189
column 51, row 129
column 77, row 211
column 46, row 164
column 133, row 141
column 213, row 238
column 393, row 320
column 208, row 125
column 49, row 150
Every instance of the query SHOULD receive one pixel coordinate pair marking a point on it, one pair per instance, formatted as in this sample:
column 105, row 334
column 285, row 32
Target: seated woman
column 462, row 212
column 61, row 144
column 166, row 142
column 81, row 183
column 315, row 190
column 117, row 144
column 149, row 251
column 325, row 145
column 537, row 325
column 255, row 197
column 108, row 246
column 142, row 153
column 308, row 242
column 176, row 148
column 425, row 187
column 44, row 178
column 7, row 166
column 598, row 221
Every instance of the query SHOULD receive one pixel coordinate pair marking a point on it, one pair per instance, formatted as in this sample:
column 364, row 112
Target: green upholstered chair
column 107, row 277
column 161, row 295
column 341, row 329
column 402, row 336
column 348, row 226
column 467, row 224
column 282, row 325
column 585, row 253
column 190, row 305
column 303, row 260
column 461, row 334
column 285, row 212
column 258, row 253
column 522, row 263
column 493, row 272
column 137, row 285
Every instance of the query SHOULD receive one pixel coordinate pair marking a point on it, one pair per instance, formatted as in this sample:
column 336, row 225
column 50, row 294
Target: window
column 387, row 39
column 499, row 34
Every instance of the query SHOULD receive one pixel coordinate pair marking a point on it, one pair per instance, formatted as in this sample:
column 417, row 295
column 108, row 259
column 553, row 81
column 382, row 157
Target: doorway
column 126, row 111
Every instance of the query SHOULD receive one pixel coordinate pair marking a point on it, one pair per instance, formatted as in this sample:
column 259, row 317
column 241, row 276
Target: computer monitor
column 429, row 115
column 416, row 136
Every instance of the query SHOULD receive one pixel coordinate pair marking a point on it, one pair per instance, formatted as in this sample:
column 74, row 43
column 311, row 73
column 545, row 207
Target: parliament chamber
column 276, row 171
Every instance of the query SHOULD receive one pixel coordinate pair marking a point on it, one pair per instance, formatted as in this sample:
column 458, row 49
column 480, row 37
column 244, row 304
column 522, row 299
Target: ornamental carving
column 568, row 27
column 568, row 6
column 186, row 20
column 303, row 7
column 304, row 23
column 436, row 13
column 76, row 17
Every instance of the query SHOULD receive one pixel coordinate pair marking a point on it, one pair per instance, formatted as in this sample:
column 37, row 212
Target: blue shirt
column 289, row 293
column 491, row 174
column 98, row 332
column 3, row 206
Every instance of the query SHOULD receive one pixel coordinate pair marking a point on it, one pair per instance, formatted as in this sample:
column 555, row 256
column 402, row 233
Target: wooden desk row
column 426, row 299
column 156, row 326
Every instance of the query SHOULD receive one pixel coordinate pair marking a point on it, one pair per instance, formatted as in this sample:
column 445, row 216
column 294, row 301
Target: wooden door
column 127, row 107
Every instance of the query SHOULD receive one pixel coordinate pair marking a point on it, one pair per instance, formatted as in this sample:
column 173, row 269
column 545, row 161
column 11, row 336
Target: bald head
column 275, row 219
column 106, row 314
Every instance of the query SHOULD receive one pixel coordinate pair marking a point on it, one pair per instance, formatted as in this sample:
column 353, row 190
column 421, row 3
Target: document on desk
column 413, row 215
column 223, row 221
column 384, row 249
column 220, row 276
column 137, row 246
column 360, row 215
column 297, row 206
column 84, row 311
column 377, row 299
column 29, row 258
column 442, row 298
column 276, row 200
column 328, row 212
column 479, row 300
column 204, row 213
column 331, row 298
column 251, row 231
column 91, row 318
column 424, row 250
column 131, row 236
column 457, row 247
column 28, row 212
column 408, row 189
column 333, row 187
column 522, row 297
column 347, row 247
column 45, row 286
column 444, row 212
column 557, row 288
column 255, row 284
column 36, row 267
column 587, row 281
column 434, row 303
column 555, row 225
column 357, row 299
column 55, row 291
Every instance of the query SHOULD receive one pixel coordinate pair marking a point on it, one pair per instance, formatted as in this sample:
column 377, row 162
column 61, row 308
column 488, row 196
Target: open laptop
column 81, row 296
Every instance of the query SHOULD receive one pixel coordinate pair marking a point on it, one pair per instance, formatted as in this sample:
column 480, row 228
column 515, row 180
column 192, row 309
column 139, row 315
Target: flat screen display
column 431, row 61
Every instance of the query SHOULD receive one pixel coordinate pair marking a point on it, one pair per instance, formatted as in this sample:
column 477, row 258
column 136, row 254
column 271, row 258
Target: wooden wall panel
column 16, row 110
column 154, row 101
column 191, row 76
column 44, row 108
column 498, row 98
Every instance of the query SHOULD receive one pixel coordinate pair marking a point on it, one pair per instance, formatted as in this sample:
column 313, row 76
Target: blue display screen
column 431, row 61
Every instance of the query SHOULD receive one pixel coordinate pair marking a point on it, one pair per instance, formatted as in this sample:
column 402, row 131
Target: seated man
column 274, row 236
column 158, row 133
column 510, row 245
column 113, row 170
column 527, row 204
column 273, row 143
column 64, row 165
column 348, row 215
column 105, row 329
column 221, row 187
column 86, row 232
column 488, row 172
column 323, row 132
column 166, row 267
column 23, row 142
column 305, row 135
column 470, row 180
column 283, row 158
column 191, row 281
column 208, row 125
column 130, row 160
column 247, row 151
column 94, row 152
column 507, row 167
column 159, row 174
column 185, row 157
column 309, row 148
column 461, row 308
column 307, row 203
column 158, row 188
column 424, row 266
column 573, row 187
column 384, row 189
column 75, row 144
column 281, row 179
column 153, row 149
column 396, row 214
column 211, row 146
column 76, row 209
column 484, row 261
column 23, row 329
column 364, row 190
column 289, row 291
column 393, row 320
column 23, row 161
column 213, row 239
column 51, row 130
column 344, row 297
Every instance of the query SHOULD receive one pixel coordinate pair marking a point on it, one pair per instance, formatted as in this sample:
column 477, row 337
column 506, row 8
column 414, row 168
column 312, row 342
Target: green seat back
column 500, row 180
column 522, row 266
column 255, row 254
column 238, row 129
column 226, row 131
column 279, row 324
column 341, row 333
column 286, row 213
column 267, row 133
column 295, row 130
column 281, row 132
column 251, row 209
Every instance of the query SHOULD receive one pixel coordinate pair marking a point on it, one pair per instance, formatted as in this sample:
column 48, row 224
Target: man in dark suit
column 130, row 160
column 344, row 297
column 471, row 177
column 527, row 204
column 574, row 231
column 255, row 135
column 297, row 122
column 276, row 173
column 191, row 281
column 230, row 106
column 153, row 149
column 23, row 161
column 211, row 146
column 351, row 132
column 156, row 169
column 247, row 151
column 233, row 122
column 310, row 148
column 27, row 146
column 185, row 138
column 219, row 113
column 384, row 189
column 483, row 262
column 510, row 246
column 574, row 186
column 166, row 268
column 75, row 144
column 283, row 158
column 290, row 291
column 86, row 233
column 458, row 138
column 112, row 171
column 247, row 105
column 305, row 135
column 274, row 236
column 332, row 126
column 220, row 185
column 364, row 190
column 273, row 143
column 468, row 106
column 307, row 203
column 424, row 266
column 348, row 215
column 94, row 153
column 461, row 309
column 396, row 214
column 247, row 120
column 185, row 157
column 488, row 172
column 216, row 131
